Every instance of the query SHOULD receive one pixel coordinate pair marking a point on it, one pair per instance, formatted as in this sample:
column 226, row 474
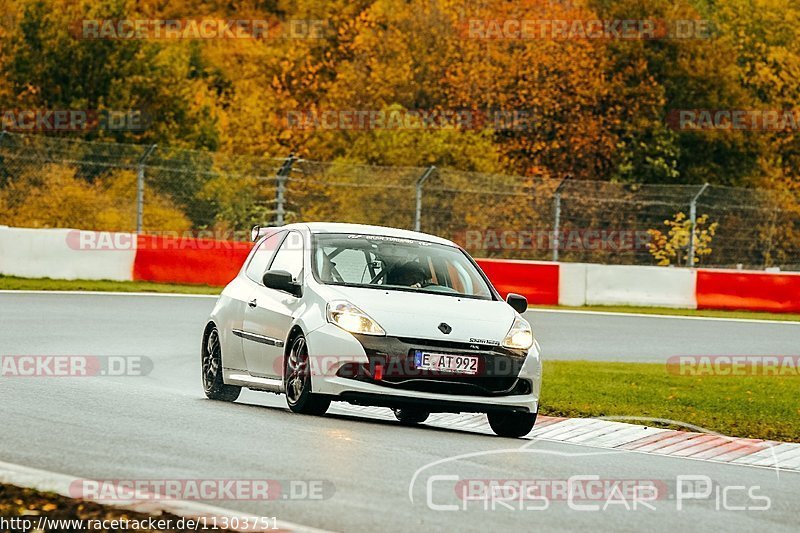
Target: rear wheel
column 411, row 416
column 297, row 381
column 512, row 425
column 211, row 362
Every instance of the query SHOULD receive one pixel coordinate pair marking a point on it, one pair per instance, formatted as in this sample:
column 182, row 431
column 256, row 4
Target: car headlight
column 520, row 336
column 350, row 318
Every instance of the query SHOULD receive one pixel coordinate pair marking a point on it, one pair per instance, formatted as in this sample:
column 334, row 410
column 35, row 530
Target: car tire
column 211, row 369
column 297, row 381
column 512, row 425
column 410, row 416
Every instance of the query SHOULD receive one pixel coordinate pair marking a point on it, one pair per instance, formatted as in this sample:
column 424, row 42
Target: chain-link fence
column 56, row 182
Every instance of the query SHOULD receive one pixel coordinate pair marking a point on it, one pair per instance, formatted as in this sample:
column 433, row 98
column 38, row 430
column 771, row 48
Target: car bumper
column 330, row 348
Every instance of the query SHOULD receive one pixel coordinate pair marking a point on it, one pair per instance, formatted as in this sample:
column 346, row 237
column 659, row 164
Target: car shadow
column 252, row 406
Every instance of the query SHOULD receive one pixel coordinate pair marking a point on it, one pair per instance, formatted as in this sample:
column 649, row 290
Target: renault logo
column 445, row 328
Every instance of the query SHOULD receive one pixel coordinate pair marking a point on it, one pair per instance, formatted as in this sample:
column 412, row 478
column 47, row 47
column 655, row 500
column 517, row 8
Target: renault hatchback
column 372, row 316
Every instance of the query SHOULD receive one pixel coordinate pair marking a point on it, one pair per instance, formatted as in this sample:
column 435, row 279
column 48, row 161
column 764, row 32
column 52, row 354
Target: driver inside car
column 410, row 274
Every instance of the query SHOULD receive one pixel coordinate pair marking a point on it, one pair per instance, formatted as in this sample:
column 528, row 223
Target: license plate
column 446, row 362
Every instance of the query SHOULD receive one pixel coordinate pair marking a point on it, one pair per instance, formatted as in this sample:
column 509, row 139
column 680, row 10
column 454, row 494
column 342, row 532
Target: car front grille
column 391, row 364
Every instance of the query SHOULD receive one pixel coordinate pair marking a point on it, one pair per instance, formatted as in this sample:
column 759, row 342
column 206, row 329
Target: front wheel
column 297, row 381
column 512, row 425
column 211, row 360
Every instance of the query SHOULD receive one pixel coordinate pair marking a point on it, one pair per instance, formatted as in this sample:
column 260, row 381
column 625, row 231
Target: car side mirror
column 517, row 302
column 282, row 281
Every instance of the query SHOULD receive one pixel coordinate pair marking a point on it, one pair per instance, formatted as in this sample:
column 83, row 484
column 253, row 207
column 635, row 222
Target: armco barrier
column 640, row 285
column 755, row 291
column 188, row 260
column 537, row 281
column 66, row 254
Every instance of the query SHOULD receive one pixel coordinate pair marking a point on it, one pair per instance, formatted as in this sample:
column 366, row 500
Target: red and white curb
column 612, row 435
column 684, row 444
column 44, row 481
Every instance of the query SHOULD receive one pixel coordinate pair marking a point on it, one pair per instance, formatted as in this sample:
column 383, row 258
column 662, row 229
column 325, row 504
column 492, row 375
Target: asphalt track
column 160, row 426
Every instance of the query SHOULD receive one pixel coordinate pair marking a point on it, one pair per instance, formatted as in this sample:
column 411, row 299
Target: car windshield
column 395, row 263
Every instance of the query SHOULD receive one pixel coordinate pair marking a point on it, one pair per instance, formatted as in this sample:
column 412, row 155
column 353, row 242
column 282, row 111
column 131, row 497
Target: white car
column 372, row 316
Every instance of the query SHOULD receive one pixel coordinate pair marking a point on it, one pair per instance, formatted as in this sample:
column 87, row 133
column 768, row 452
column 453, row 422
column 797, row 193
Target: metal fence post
column 557, row 217
column 767, row 254
column 693, row 222
column 418, row 211
column 280, row 194
column 140, row 188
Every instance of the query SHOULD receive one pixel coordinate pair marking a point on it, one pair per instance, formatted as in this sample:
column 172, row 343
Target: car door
column 238, row 293
column 269, row 313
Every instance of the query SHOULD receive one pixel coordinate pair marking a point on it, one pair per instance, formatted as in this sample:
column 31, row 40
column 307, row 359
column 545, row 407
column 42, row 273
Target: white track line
column 111, row 293
column 44, row 481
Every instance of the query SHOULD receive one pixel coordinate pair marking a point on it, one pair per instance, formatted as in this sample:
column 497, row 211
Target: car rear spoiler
column 257, row 232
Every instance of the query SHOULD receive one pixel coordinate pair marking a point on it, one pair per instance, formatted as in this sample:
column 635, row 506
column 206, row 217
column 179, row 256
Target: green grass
column 753, row 315
column 765, row 407
column 47, row 284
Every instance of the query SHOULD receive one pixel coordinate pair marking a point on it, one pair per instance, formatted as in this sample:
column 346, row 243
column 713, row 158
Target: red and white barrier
column 535, row 280
column 66, row 254
column 74, row 254
column 640, row 285
column 188, row 260
column 757, row 291
column 572, row 284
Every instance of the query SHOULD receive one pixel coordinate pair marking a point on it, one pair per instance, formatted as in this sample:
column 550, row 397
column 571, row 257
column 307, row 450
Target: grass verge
column 47, row 284
column 764, row 407
column 19, row 504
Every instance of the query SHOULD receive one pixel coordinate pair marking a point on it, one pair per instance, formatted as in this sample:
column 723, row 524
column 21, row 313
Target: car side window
column 261, row 257
column 350, row 266
column 290, row 256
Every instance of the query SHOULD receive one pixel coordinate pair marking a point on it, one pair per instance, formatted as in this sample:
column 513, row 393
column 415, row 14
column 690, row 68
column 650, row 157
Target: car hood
column 415, row 315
